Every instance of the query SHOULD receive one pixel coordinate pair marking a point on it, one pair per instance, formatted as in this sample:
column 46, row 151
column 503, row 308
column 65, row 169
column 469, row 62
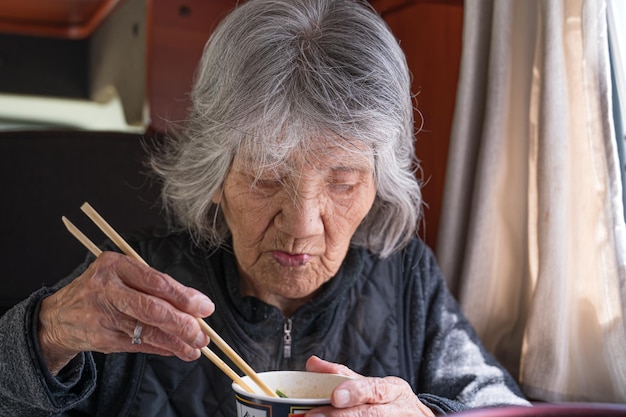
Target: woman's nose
column 301, row 217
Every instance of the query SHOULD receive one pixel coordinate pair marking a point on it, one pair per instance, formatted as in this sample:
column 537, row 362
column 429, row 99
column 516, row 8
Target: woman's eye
column 342, row 187
column 344, row 181
column 267, row 185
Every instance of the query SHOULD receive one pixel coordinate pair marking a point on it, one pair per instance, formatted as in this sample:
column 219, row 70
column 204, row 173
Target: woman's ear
column 217, row 196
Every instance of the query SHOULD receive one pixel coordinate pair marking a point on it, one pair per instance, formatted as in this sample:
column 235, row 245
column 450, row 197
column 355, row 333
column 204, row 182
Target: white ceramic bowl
column 304, row 390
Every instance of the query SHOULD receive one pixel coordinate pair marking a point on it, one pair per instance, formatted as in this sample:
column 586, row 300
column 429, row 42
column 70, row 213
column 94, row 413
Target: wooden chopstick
column 237, row 360
column 110, row 232
column 80, row 236
column 225, row 368
column 224, row 347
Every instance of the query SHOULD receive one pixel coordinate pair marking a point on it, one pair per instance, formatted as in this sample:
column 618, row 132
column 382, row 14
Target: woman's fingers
column 150, row 281
column 374, row 397
column 158, row 313
column 155, row 340
column 316, row 364
column 370, row 391
column 375, row 410
column 367, row 396
column 99, row 310
column 166, row 308
column 116, row 300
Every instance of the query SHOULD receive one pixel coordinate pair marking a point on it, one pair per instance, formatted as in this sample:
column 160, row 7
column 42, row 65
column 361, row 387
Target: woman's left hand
column 367, row 396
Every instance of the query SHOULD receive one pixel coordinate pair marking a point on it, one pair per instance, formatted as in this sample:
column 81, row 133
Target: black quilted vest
column 357, row 319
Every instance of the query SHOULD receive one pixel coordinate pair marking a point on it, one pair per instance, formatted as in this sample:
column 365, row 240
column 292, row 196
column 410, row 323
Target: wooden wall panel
column 178, row 32
column 430, row 33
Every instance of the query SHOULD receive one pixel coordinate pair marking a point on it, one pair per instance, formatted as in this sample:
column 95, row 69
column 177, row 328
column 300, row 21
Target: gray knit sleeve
column 27, row 388
column 454, row 363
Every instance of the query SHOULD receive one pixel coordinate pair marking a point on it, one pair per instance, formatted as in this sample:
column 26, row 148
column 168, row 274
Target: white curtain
column 532, row 236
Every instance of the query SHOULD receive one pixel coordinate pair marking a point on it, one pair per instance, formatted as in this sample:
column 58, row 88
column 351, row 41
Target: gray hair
column 277, row 74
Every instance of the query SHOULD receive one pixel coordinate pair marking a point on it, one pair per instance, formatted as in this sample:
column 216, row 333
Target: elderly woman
column 293, row 185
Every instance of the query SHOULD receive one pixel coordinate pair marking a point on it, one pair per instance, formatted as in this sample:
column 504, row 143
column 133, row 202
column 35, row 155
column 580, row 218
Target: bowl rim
column 243, row 394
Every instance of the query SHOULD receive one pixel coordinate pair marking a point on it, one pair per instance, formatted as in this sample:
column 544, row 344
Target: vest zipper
column 287, row 338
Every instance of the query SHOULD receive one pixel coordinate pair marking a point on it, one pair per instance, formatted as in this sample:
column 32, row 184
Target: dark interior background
column 46, row 175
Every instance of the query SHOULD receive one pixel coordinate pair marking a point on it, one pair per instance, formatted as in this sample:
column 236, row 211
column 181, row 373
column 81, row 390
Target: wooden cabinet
column 91, row 52
column 71, row 19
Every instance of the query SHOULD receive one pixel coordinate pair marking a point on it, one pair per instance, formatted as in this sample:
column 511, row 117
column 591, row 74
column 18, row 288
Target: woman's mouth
column 288, row 259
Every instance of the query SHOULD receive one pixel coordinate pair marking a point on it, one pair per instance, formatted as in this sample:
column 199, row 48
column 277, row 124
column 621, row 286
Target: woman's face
column 292, row 227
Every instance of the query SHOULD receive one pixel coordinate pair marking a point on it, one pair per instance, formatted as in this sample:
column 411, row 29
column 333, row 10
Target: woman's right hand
column 99, row 310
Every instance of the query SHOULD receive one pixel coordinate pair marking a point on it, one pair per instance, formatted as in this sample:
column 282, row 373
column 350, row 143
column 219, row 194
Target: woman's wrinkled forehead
column 318, row 152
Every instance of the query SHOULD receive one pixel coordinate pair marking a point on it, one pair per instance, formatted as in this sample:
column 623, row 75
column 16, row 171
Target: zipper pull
column 287, row 339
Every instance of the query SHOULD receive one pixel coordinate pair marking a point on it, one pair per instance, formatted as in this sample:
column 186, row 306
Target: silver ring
column 136, row 340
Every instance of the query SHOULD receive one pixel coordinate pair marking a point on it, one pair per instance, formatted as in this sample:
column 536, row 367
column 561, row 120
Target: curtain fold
column 617, row 48
column 532, row 236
